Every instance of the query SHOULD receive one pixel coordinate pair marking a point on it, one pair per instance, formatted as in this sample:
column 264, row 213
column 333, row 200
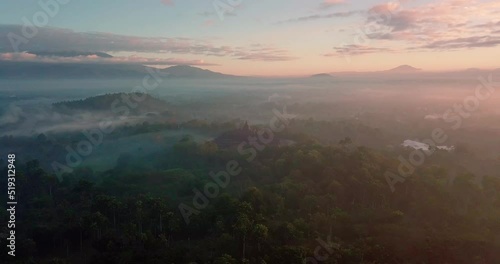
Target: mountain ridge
column 404, row 68
column 40, row 70
column 187, row 71
column 321, row 75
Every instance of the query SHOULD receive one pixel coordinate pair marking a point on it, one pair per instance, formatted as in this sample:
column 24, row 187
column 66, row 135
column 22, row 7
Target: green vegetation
column 112, row 102
column 274, row 211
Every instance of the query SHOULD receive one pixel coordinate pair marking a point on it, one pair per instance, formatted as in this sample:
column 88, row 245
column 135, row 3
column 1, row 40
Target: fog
column 399, row 107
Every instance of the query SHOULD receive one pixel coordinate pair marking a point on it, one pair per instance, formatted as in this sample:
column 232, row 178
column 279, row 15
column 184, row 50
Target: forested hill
column 139, row 102
column 288, row 205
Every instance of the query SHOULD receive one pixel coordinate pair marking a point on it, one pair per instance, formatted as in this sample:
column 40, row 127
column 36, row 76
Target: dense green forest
column 300, row 203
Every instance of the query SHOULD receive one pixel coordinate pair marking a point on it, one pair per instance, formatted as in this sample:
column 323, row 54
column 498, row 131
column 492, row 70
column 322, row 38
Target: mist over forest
column 114, row 153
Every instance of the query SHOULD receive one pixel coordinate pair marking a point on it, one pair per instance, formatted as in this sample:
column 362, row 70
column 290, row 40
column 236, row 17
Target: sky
column 265, row 38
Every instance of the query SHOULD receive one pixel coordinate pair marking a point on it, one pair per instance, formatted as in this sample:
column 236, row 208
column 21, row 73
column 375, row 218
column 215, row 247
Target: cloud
column 264, row 53
column 28, row 57
column 17, row 56
column 212, row 13
column 320, row 16
column 448, row 24
column 468, row 42
column 58, row 40
column 353, row 50
column 69, row 54
column 267, row 57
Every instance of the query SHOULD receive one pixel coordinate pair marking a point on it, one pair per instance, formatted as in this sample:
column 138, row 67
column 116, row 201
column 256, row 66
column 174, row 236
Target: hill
column 186, row 71
column 321, row 75
column 39, row 70
column 104, row 103
column 404, row 69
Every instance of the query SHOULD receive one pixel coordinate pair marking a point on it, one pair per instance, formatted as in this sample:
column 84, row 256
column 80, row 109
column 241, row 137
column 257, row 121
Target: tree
column 346, row 142
column 260, row 233
column 225, row 259
column 242, row 227
column 208, row 148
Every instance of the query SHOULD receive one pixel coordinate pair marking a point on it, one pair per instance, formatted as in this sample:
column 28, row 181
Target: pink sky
column 276, row 38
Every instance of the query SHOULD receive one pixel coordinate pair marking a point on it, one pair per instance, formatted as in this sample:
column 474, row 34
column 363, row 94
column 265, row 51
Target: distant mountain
column 404, row 69
column 39, row 70
column 473, row 70
column 185, row 71
column 322, row 75
column 476, row 71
